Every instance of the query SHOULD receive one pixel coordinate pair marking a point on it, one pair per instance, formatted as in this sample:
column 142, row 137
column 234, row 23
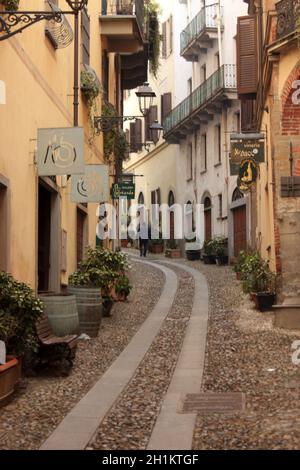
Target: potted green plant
column 19, row 312
column 220, row 250
column 208, row 252
column 157, row 246
column 238, row 265
column 10, row 5
column 172, row 250
column 264, row 287
column 123, row 287
column 192, row 247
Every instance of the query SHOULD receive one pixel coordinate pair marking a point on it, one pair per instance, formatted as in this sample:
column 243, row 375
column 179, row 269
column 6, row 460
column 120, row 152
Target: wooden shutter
column 170, row 34
column 85, row 37
column 138, row 134
column 132, row 137
column 166, row 105
column 147, row 124
column 247, row 73
column 164, row 40
column 153, row 117
column 247, row 116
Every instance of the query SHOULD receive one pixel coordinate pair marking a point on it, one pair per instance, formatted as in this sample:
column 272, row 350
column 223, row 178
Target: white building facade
column 198, row 73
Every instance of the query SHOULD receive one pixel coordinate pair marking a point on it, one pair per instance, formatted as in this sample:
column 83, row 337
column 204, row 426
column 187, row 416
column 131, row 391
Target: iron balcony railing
column 207, row 18
column 224, row 78
column 288, row 16
column 124, row 8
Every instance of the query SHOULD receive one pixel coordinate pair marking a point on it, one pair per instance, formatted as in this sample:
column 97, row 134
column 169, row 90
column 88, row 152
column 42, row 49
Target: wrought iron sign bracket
column 108, row 123
column 14, row 22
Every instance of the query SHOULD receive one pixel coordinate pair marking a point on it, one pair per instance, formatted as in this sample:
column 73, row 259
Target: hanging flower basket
column 10, row 5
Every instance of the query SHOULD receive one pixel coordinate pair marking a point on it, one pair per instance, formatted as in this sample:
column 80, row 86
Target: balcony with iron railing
column 201, row 105
column 122, row 25
column 199, row 33
column 288, row 17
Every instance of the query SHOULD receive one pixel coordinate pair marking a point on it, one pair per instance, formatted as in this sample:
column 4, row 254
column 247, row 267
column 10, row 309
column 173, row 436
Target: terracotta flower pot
column 10, row 374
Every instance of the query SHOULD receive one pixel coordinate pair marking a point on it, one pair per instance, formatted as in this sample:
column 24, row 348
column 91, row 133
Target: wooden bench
column 51, row 345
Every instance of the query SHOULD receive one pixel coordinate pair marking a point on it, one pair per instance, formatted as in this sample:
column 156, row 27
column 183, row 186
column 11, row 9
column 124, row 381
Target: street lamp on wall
column 77, row 5
column 145, row 96
column 156, row 130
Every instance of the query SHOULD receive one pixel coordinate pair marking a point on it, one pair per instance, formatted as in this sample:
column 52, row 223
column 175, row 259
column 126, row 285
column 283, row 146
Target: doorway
column 207, row 219
column 4, row 226
column 240, row 229
column 49, row 243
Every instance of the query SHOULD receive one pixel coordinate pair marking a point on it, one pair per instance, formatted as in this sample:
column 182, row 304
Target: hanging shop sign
column 126, row 179
column 248, row 173
column 2, row 92
column 60, row 151
column 243, row 147
column 93, row 186
column 123, row 191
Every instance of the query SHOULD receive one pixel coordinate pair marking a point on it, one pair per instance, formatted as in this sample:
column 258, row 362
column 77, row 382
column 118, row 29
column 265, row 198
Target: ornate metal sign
column 248, row 173
column 60, row 151
column 93, row 186
column 243, row 147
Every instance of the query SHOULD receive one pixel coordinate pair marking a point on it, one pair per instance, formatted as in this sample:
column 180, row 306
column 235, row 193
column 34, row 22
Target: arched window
column 141, row 199
column 237, row 194
column 171, row 199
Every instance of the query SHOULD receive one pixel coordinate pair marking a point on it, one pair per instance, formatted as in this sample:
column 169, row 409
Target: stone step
column 287, row 315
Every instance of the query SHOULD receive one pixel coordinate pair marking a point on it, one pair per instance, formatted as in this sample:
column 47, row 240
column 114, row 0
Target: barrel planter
column 62, row 313
column 10, row 374
column 89, row 306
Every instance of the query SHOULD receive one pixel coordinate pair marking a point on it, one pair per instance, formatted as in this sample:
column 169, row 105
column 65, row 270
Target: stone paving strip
column 80, row 425
column 129, row 423
column 38, row 409
column 174, row 430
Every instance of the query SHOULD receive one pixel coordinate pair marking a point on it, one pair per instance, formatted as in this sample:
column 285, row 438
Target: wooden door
column 208, row 228
column 240, row 230
column 81, row 217
column 44, row 231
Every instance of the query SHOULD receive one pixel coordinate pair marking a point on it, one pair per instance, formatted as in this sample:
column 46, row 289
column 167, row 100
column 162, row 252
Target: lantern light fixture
column 145, row 96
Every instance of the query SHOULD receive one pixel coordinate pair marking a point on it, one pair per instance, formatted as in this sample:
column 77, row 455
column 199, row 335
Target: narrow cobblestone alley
column 244, row 353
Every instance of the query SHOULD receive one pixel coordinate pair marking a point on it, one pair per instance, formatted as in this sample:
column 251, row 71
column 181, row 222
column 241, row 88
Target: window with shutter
column 247, row 116
column 132, row 137
column 85, row 37
column 138, row 135
column 247, row 69
column 153, row 114
column 166, row 105
column 164, row 40
column 170, row 34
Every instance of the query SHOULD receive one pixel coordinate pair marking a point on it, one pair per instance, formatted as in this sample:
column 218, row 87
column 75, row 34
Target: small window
column 218, row 144
column 189, row 163
column 204, row 152
column 220, row 197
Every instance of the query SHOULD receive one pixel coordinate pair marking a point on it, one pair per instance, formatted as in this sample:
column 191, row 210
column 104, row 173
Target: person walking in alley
column 144, row 238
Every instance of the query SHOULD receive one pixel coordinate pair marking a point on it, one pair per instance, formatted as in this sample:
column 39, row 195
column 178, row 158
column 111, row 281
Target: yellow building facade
column 43, row 234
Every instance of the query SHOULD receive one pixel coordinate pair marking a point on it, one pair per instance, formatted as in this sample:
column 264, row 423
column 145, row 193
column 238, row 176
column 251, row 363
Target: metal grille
column 60, row 34
column 288, row 14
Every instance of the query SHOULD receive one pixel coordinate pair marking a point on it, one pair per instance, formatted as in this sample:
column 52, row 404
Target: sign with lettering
column 123, row 191
column 126, row 179
column 60, row 151
column 243, row 149
column 93, row 186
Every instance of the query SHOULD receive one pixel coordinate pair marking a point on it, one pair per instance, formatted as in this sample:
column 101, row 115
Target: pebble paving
column 246, row 354
column 39, row 407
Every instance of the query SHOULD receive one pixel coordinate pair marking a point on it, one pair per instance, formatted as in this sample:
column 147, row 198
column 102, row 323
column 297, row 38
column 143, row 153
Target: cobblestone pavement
column 37, row 410
column 245, row 353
